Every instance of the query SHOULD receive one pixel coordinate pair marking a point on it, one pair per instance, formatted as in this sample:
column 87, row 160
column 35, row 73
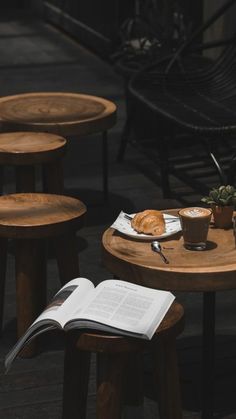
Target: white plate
column 123, row 225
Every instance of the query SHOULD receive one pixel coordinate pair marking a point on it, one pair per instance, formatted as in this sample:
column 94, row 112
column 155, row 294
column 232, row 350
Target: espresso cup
column 195, row 225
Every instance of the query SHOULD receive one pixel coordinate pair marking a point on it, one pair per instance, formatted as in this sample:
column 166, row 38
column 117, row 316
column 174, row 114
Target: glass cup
column 195, row 225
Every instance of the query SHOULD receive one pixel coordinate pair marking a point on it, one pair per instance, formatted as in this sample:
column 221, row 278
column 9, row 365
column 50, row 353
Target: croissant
column 149, row 222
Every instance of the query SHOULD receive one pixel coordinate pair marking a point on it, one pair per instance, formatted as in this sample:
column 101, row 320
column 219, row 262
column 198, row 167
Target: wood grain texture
column 22, row 148
column 213, row 269
column 76, row 379
column 57, row 112
column 30, row 273
column 25, row 150
column 35, row 215
column 110, row 384
column 166, row 376
column 172, row 324
column 114, row 354
column 27, row 218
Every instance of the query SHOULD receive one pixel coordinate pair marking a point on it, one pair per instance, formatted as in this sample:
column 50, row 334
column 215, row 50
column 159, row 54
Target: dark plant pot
column 223, row 216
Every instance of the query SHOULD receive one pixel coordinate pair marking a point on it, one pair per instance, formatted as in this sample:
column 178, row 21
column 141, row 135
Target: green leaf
column 213, row 195
column 230, row 189
column 223, row 195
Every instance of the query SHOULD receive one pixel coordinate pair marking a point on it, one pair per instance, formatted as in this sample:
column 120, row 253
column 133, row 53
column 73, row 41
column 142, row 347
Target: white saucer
column 123, row 225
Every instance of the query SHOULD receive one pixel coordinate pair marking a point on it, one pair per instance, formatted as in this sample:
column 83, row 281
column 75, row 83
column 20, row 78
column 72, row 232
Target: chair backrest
column 200, row 30
column 187, row 64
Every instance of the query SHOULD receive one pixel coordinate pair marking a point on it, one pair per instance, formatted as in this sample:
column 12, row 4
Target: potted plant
column 222, row 201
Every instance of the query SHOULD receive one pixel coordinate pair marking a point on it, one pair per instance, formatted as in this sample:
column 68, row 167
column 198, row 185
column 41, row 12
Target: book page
column 70, row 297
column 127, row 306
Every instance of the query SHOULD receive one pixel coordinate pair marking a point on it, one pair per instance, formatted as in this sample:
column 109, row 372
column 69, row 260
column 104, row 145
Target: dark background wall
column 96, row 23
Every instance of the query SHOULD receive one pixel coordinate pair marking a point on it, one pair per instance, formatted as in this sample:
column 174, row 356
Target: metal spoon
column 156, row 247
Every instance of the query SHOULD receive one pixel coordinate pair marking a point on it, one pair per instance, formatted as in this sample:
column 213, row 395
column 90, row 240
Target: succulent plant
column 221, row 196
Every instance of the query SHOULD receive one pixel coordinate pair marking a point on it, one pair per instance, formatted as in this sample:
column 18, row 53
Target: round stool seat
column 173, row 323
column 57, row 112
column 36, row 215
column 63, row 113
column 29, row 148
column 119, row 372
column 32, row 221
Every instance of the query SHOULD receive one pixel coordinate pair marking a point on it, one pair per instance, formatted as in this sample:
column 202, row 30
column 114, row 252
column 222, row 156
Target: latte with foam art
column 195, row 224
column 195, row 212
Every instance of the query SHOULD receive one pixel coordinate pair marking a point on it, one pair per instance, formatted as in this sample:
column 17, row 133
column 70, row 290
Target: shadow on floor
column 189, row 351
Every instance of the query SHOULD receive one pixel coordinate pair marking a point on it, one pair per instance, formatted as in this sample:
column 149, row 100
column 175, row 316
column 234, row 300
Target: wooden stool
column 116, row 352
column 25, row 150
column 30, row 220
column 68, row 114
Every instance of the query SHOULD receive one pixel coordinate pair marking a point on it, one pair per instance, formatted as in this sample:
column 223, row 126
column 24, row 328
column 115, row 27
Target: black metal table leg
column 105, row 164
column 208, row 355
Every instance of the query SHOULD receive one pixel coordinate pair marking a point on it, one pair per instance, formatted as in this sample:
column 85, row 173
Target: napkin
column 122, row 224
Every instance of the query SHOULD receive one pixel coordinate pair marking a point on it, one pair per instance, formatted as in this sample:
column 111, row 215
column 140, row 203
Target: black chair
column 188, row 93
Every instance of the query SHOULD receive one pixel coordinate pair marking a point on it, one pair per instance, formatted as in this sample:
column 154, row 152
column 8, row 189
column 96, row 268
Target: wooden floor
column 36, row 57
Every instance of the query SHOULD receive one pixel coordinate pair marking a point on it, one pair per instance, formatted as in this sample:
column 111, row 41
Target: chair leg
column 76, row 377
column 167, row 379
column 3, row 263
column 66, row 253
column 110, row 380
column 218, row 168
column 30, row 286
column 212, row 153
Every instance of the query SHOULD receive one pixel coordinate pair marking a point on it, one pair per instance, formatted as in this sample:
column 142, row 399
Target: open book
column 113, row 306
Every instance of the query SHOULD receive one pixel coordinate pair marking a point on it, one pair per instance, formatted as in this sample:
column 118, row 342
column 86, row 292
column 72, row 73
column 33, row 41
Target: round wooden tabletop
column 57, row 112
column 36, row 215
column 213, row 269
column 30, row 147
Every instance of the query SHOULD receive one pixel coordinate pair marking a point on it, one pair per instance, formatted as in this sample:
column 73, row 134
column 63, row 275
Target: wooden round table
column 208, row 271
column 63, row 113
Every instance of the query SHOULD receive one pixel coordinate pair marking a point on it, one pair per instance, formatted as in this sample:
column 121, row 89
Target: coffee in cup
column 195, row 225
